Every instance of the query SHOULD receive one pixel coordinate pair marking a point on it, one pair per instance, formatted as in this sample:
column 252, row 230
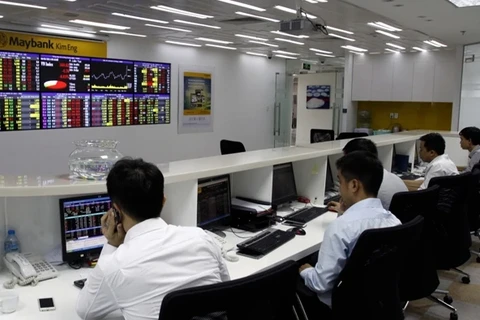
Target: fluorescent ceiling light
column 289, row 10
column 383, row 26
column 390, row 50
column 325, row 55
column 465, row 3
column 290, row 41
column 213, row 40
column 359, row 53
column 18, row 4
column 138, row 18
column 290, row 35
column 167, row 28
column 264, row 43
column 183, row 43
column 197, row 24
column 221, row 47
column 435, row 44
column 286, row 57
column 286, row 52
column 354, row 48
column 317, row 1
column 339, row 30
column 311, row 61
column 256, row 54
column 99, row 24
column 419, row 49
column 250, row 37
column 374, row 53
column 341, row 37
column 182, row 12
column 244, row 5
column 321, row 51
column 124, row 33
column 256, row 16
column 66, row 32
column 395, row 46
column 387, row 34
column 54, row 27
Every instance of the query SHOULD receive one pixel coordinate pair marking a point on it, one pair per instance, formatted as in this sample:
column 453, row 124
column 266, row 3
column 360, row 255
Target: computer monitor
column 80, row 220
column 329, row 183
column 394, row 159
column 214, row 202
column 321, row 135
column 284, row 188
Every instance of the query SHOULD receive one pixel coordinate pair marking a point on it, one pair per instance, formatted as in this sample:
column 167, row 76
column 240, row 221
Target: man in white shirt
column 360, row 174
column 145, row 258
column 391, row 183
column 432, row 151
column 470, row 140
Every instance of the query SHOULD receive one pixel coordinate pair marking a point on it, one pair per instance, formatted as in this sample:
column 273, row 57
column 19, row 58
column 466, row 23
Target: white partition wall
column 310, row 178
column 253, row 184
column 181, row 205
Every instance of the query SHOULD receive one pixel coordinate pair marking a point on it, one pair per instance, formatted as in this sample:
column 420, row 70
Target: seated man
column 432, row 151
column 470, row 140
column 360, row 174
column 391, row 183
column 145, row 258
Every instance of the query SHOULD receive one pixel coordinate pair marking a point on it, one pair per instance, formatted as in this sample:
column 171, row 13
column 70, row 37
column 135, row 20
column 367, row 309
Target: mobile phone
column 117, row 216
column 46, row 304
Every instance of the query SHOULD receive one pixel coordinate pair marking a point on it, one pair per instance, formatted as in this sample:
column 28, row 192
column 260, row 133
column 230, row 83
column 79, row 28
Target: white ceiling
column 337, row 13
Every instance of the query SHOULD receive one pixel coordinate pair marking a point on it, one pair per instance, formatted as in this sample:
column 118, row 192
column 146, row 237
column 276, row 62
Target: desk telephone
column 27, row 270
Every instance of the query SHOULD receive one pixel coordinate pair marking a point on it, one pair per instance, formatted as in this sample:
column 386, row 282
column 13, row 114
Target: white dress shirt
column 338, row 243
column 473, row 158
column 391, row 184
column 441, row 166
column 154, row 260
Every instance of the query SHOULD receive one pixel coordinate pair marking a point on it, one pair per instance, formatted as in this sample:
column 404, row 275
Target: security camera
column 322, row 61
column 269, row 55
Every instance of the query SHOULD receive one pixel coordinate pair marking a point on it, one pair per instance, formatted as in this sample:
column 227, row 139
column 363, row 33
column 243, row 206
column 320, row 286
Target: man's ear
column 354, row 185
column 164, row 200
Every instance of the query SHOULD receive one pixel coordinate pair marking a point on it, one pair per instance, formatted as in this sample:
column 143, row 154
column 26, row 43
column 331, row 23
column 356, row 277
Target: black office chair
column 321, row 135
column 452, row 239
column 268, row 295
column 473, row 207
column 367, row 288
column 230, row 147
column 351, row 135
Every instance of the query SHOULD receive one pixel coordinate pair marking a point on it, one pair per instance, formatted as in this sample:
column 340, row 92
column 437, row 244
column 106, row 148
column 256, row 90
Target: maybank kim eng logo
column 3, row 40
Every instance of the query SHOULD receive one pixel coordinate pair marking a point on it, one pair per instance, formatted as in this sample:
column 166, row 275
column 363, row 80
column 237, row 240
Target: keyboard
column 265, row 242
column 306, row 215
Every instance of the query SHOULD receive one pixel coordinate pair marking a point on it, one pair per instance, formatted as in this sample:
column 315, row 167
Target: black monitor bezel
column 225, row 219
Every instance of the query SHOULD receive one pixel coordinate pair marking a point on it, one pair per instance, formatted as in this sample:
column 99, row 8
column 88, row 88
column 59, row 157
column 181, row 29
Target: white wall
column 313, row 119
column 244, row 98
column 470, row 95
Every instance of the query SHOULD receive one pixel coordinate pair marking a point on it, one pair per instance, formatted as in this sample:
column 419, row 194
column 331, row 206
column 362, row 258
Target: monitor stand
column 218, row 232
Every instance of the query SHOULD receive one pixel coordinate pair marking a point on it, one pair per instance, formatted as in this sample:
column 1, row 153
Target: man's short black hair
column 137, row 188
column 363, row 166
column 361, row 144
column 472, row 134
column 435, row 142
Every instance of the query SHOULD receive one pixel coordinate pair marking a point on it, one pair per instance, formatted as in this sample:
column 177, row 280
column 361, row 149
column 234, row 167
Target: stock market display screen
column 44, row 91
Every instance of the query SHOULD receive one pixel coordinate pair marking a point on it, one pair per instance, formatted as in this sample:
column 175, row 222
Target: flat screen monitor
column 284, row 188
column 80, row 220
column 329, row 183
column 321, row 135
column 214, row 202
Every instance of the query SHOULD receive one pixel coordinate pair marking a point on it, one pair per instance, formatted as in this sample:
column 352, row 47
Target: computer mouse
column 297, row 231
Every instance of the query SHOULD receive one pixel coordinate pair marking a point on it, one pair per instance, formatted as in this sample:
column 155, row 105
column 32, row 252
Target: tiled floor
column 466, row 297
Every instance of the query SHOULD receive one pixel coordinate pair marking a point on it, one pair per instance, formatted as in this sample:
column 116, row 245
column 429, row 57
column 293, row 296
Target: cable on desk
column 240, row 236
column 75, row 265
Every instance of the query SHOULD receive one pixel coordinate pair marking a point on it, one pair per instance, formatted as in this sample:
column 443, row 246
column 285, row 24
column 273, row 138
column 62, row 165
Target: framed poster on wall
column 195, row 101
column 318, row 97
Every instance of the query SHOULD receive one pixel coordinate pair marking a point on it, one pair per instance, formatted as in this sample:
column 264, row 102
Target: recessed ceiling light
column 384, row 26
column 325, row 55
column 25, row 5
column 289, row 10
column 395, row 46
column 244, row 5
column 465, row 3
column 138, row 18
column 124, row 33
column 99, row 24
column 419, row 49
column 182, row 12
column 213, row 40
column 321, row 51
column 290, row 41
column 183, row 43
column 285, row 57
column 221, row 47
column 387, row 34
column 354, row 48
column 264, row 43
column 256, row 16
column 197, row 24
column 54, row 27
column 250, row 37
column 167, row 28
column 290, row 35
column 341, row 37
column 256, row 54
column 286, row 52
column 66, row 32
column 339, row 30
column 390, row 50
column 435, row 44
column 359, row 53
column 374, row 53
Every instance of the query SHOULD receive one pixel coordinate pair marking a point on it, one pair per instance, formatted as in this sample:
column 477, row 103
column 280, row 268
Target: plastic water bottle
column 11, row 242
